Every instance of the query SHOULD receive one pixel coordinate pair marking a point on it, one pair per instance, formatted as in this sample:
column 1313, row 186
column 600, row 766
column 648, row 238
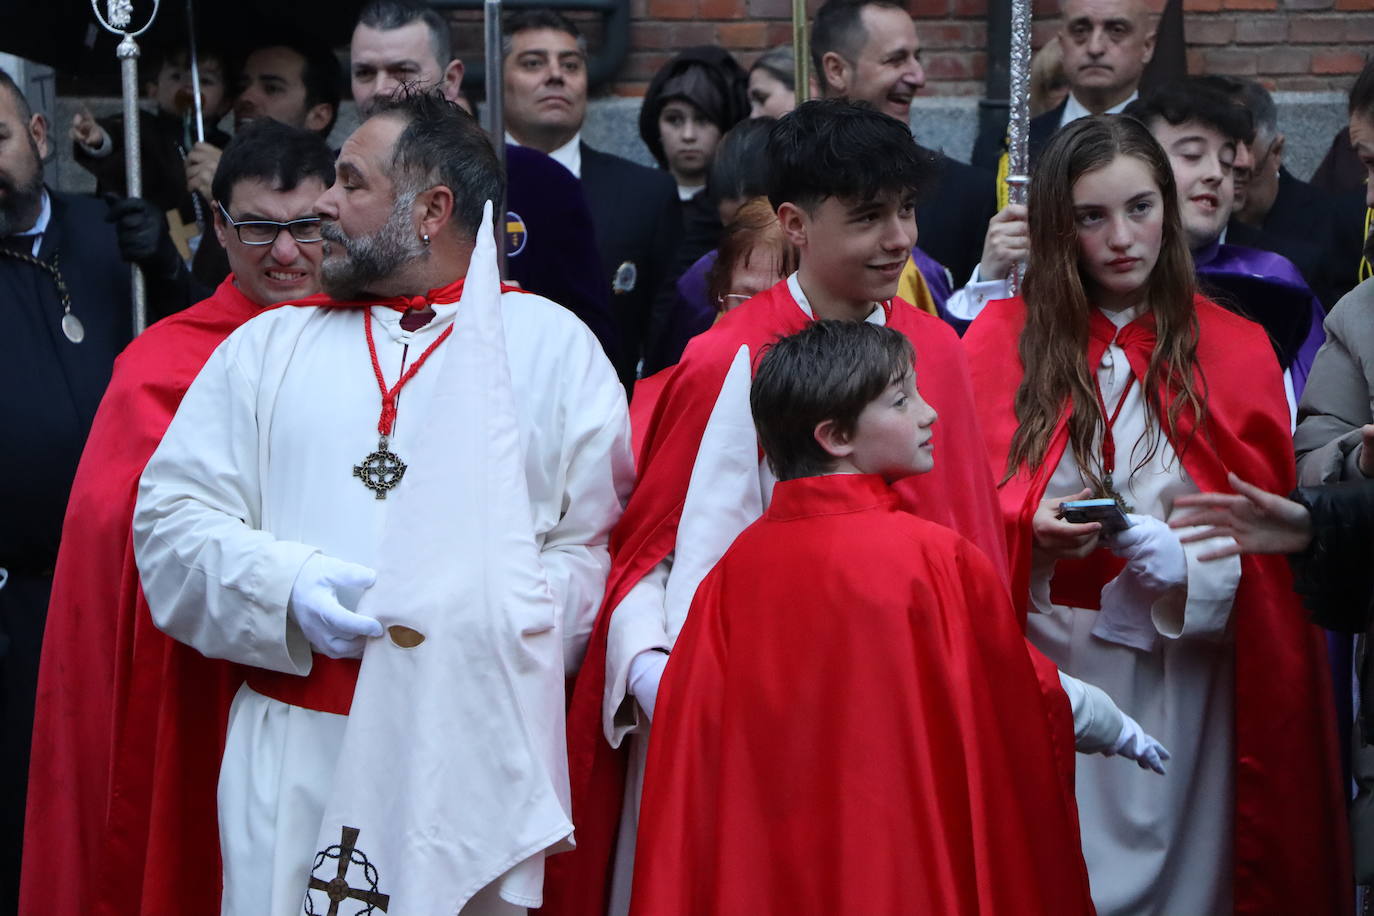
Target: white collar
column 877, row 316
column 569, row 155
column 686, row 193
column 1125, row 316
column 1073, row 109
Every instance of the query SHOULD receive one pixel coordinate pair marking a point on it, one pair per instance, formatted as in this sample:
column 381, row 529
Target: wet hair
column 443, row 144
column 385, row 15
column 543, row 18
column 1362, row 93
column 830, row 370
column 274, row 153
column 1198, row 100
column 839, row 27
column 321, row 73
column 709, row 78
column 778, row 63
column 755, row 228
column 1054, row 342
column 740, row 166
column 842, row 148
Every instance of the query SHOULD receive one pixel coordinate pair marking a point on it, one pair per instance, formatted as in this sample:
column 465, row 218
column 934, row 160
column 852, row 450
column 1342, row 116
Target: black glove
column 141, row 230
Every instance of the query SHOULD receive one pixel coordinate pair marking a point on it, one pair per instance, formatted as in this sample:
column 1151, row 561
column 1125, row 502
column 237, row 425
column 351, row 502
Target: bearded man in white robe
column 357, row 474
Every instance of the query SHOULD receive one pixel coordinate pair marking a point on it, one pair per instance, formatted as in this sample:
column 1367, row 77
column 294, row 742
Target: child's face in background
column 173, row 88
column 894, row 435
column 856, row 249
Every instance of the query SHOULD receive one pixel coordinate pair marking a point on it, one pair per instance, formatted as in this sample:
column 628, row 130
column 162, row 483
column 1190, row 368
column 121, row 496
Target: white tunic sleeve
column 213, row 579
column 595, row 474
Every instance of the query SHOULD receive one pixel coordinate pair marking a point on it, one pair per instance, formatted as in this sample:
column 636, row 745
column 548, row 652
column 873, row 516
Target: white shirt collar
column 569, row 155
column 877, row 316
column 1073, row 109
column 40, row 225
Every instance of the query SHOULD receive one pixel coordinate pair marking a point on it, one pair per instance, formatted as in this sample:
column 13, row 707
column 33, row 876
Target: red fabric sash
column 958, row 494
column 327, row 688
column 1291, row 843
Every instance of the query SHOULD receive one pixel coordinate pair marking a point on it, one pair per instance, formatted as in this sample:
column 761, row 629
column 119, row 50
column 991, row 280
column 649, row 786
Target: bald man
column 1105, row 46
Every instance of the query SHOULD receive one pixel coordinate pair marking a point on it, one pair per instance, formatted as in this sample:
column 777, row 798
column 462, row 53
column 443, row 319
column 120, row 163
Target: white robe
column 1154, row 845
column 255, row 474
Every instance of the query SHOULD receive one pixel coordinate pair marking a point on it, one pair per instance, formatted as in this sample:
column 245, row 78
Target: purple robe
column 1268, row 289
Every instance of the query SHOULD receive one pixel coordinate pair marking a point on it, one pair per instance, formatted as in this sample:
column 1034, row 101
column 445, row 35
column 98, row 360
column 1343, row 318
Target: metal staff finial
column 1018, row 124
column 119, row 14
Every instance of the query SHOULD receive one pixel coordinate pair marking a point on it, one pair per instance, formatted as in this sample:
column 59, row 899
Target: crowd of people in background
column 796, row 526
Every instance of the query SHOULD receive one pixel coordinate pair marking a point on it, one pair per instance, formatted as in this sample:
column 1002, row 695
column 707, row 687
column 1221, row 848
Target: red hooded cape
column 844, row 727
column 958, row 493
column 130, row 724
column 1291, row 841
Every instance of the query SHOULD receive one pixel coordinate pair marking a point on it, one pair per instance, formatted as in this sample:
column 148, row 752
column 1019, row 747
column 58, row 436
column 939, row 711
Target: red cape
column 845, row 728
column 958, row 493
column 1291, row 840
column 130, row 724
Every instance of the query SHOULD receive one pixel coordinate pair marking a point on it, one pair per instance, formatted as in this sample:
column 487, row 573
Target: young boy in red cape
column 844, row 182
column 831, row 740
column 130, row 723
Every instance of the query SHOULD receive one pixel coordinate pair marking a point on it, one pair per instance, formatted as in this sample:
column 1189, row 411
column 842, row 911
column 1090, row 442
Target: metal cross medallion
column 337, row 888
column 381, row 470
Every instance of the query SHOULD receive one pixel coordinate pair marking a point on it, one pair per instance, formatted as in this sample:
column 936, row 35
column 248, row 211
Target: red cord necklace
column 1109, row 441
column 383, row 469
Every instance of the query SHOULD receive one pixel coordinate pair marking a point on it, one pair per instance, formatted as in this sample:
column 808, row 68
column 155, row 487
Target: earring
column 425, row 238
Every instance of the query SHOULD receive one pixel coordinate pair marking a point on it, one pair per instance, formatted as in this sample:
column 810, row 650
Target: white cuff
column 970, row 299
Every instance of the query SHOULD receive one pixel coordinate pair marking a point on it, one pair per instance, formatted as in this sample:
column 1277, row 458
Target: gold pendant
column 381, row 470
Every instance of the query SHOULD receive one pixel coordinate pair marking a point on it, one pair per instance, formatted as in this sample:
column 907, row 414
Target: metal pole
column 496, row 111
column 117, row 18
column 801, row 52
column 1018, row 125
column 133, row 168
column 195, row 68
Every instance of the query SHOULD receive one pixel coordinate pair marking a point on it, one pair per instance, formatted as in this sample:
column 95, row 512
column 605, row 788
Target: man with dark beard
column 293, row 497
column 66, row 315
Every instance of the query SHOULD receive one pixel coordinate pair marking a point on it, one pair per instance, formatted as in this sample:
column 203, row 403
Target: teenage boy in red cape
column 828, row 740
column 1290, row 847
column 130, row 723
column 845, row 181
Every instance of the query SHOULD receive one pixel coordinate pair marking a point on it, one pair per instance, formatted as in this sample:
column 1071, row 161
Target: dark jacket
column 1335, row 575
column 638, row 230
column 952, row 217
column 992, row 142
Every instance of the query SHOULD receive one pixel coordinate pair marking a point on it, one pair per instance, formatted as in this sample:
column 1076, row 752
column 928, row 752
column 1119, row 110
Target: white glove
column 1138, row 746
column 330, row 627
column 1155, row 564
column 646, row 670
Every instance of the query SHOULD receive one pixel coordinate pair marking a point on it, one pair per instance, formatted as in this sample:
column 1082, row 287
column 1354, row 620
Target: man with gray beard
column 66, row 316
column 262, row 526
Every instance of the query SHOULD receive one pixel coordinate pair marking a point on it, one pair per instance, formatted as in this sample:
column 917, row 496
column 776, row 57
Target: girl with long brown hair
column 1111, row 378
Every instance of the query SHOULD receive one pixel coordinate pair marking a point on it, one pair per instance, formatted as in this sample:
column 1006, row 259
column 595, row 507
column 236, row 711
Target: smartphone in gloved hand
column 1106, row 511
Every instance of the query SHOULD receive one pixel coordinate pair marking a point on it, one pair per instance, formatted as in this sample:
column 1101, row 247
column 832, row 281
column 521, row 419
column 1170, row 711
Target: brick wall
column 1298, row 45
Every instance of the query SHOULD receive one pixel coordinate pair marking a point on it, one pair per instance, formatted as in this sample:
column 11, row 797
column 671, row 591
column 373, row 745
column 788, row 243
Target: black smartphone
column 1106, row 511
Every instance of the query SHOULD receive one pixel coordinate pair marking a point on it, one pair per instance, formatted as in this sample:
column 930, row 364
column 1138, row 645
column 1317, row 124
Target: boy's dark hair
column 831, row 370
column 542, row 18
column 386, row 15
column 739, row 169
column 842, row 148
column 156, row 55
column 442, row 144
column 839, row 27
column 1362, row 93
column 273, row 153
column 1195, row 99
column 321, row 72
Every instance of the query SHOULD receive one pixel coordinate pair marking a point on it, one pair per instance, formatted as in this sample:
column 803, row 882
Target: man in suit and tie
column 635, row 209
column 1105, row 46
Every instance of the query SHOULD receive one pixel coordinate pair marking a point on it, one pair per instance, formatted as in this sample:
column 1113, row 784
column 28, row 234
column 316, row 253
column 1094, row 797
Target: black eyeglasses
column 265, row 231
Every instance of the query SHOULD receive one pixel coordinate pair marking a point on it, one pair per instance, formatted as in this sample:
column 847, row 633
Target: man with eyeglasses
column 129, row 722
